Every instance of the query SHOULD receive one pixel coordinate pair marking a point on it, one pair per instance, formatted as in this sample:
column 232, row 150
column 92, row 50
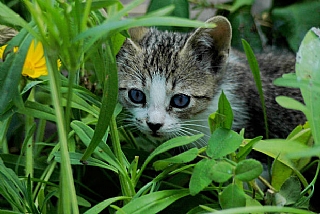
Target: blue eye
column 180, row 101
column 137, row 96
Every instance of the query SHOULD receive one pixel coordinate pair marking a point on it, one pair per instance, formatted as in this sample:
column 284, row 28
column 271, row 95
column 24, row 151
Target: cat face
column 168, row 81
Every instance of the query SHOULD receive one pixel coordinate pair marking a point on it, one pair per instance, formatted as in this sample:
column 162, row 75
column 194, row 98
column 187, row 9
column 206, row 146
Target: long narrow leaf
column 109, row 101
column 10, row 73
column 253, row 63
column 153, row 202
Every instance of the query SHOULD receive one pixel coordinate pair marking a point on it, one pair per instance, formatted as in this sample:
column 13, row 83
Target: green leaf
column 98, row 4
column 253, row 63
column 166, row 146
column 11, row 188
column 181, row 9
column 10, row 72
column 223, row 142
column 295, row 20
column 184, row 157
column 38, row 110
column 282, row 150
column 75, row 160
column 223, row 117
column 291, row 190
column 153, row 202
column 290, row 103
column 104, row 204
column 109, row 101
column 240, row 3
column 216, row 121
column 85, row 133
column 279, row 174
column 246, row 149
column 248, row 170
column 243, row 27
column 112, row 26
column 279, row 149
column 231, row 197
column 221, row 172
column 9, row 17
column 201, row 176
column 307, row 70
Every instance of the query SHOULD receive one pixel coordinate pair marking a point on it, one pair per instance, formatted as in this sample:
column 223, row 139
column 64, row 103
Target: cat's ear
column 136, row 34
column 211, row 42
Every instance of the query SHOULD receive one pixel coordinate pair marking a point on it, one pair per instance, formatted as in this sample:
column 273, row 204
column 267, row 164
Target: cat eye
column 137, row 96
column 180, row 101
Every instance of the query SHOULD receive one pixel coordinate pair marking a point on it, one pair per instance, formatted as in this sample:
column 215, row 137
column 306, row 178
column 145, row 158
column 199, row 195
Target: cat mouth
column 156, row 135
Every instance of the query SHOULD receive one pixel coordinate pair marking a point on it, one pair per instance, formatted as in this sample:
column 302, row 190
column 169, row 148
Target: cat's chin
column 157, row 138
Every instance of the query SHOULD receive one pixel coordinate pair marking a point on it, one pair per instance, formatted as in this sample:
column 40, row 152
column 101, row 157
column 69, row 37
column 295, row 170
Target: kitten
column 170, row 83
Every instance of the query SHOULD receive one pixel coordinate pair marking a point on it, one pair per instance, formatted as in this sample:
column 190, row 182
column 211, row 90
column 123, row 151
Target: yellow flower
column 2, row 48
column 35, row 62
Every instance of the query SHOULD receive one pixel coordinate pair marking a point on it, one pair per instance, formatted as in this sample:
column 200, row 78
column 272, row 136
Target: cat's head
column 167, row 81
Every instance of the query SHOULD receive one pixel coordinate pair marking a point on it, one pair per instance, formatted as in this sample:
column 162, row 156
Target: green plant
column 54, row 173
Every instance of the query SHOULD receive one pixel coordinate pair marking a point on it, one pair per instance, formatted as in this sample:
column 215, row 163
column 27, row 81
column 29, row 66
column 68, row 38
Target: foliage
column 90, row 163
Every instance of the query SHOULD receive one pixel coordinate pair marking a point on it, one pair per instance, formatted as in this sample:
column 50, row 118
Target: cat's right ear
column 211, row 43
column 136, row 35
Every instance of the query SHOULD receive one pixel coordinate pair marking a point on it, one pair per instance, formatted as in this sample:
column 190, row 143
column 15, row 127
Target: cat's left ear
column 213, row 41
column 136, row 35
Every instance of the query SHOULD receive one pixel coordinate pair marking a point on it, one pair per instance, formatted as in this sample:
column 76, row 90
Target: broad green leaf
column 243, row 27
column 290, row 190
column 224, row 108
column 201, row 176
column 184, row 157
column 232, row 196
column 223, row 117
column 153, row 202
column 307, row 69
column 248, row 170
column 279, row 149
column 288, row 102
column 295, row 20
column 221, row 172
column 290, row 80
column 280, row 172
column 216, row 121
column 250, row 202
column 223, row 142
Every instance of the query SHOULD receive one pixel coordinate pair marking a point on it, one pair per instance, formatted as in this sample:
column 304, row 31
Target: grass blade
column 253, row 63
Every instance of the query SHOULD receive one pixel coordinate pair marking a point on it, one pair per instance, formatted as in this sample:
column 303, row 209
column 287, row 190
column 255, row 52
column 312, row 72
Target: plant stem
column 127, row 186
column 68, row 200
column 3, row 135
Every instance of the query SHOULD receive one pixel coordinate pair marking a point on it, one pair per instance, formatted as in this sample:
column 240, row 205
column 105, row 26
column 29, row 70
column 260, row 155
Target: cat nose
column 154, row 126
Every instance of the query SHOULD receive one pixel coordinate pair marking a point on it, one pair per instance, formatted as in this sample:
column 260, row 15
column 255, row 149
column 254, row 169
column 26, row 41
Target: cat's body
column 171, row 82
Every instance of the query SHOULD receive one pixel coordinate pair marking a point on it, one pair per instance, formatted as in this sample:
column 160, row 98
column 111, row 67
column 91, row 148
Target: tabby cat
column 170, row 82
